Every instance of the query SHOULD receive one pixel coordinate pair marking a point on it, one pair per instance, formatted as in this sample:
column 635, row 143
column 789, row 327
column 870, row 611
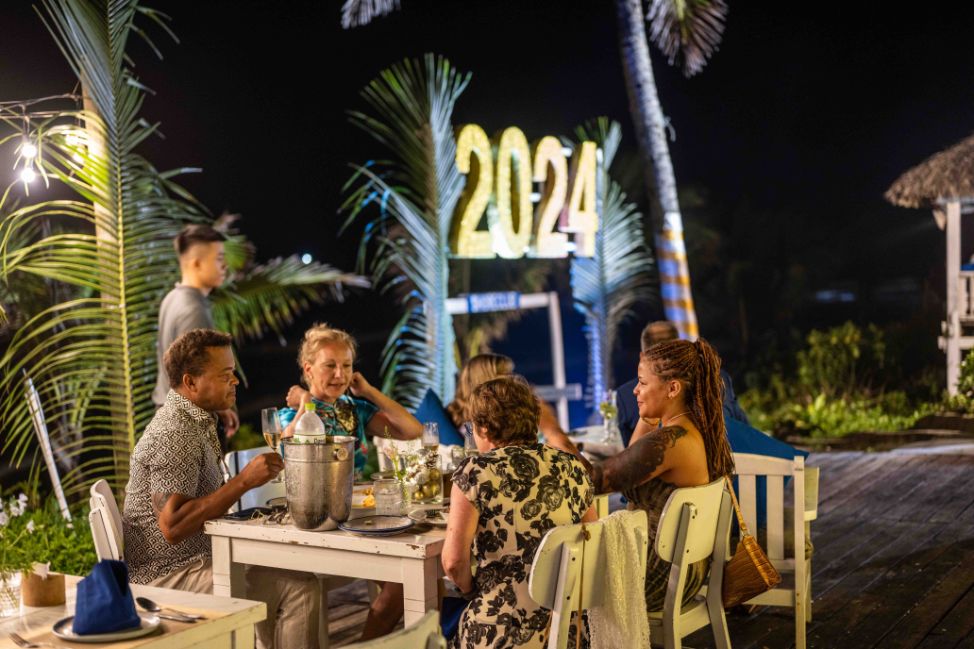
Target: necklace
column 672, row 419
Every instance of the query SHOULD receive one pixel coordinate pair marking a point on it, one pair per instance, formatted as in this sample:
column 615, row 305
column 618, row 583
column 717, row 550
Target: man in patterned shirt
column 176, row 485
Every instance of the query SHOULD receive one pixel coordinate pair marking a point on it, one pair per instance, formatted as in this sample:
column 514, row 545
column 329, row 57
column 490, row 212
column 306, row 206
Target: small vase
column 10, row 593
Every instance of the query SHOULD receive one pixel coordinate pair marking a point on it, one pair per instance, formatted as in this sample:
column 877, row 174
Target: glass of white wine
column 271, row 427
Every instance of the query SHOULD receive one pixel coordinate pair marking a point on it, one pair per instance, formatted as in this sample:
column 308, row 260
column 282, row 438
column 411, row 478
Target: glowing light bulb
column 306, row 258
column 29, row 150
column 28, row 175
column 72, row 139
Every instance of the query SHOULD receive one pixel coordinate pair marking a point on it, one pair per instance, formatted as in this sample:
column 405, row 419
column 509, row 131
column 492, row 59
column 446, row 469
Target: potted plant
column 37, row 547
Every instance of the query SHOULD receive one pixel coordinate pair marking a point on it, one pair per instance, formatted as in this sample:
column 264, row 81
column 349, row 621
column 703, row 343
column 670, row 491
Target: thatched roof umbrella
column 944, row 182
column 940, row 179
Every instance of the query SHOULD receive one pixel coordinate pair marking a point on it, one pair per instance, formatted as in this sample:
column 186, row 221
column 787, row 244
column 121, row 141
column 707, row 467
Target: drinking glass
column 431, row 435
column 388, row 496
column 271, row 427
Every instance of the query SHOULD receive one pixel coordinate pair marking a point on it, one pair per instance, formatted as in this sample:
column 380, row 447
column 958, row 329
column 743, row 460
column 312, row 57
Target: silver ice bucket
column 318, row 477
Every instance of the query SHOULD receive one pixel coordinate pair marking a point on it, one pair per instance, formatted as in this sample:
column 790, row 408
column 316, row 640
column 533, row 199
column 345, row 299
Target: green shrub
column 838, row 388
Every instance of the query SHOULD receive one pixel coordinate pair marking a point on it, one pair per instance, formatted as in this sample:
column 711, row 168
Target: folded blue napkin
column 104, row 600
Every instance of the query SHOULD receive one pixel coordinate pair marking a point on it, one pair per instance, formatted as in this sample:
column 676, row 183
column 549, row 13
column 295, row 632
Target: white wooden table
column 235, row 629
column 410, row 559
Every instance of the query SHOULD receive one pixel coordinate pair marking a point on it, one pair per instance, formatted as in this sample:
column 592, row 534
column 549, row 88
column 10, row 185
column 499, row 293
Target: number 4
column 583, row 220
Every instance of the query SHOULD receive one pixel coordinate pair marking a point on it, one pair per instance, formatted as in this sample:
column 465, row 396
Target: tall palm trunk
column 647, row 116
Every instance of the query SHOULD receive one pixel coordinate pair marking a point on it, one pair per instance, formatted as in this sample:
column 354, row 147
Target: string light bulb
column 28, row 150
column 28, row 175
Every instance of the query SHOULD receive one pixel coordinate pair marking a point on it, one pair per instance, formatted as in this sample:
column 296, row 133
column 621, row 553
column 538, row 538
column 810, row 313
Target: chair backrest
column 565, row 561
column 105, row 508
column 811, row 493
column 776, row 471
column 702, row 505
column 425, row 634
column 258, row 496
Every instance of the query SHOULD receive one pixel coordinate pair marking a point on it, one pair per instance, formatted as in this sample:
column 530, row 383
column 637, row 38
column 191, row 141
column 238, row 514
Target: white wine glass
column 271, row 427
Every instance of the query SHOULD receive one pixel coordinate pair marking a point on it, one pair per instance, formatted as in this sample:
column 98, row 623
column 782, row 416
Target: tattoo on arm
column 636, row 463
column 159, row 502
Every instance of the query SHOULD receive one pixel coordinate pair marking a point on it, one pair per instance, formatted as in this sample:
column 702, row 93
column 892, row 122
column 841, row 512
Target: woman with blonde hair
column 484, row 367
column 679, row 385
column 348, row 405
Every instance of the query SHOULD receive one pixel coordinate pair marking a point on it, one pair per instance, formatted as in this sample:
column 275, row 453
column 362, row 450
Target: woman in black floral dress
column 503, row 503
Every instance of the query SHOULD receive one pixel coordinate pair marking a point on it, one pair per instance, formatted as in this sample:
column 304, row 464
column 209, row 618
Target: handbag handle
column 737, row 507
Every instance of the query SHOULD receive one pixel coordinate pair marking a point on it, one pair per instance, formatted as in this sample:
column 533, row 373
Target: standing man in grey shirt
column 187, row 307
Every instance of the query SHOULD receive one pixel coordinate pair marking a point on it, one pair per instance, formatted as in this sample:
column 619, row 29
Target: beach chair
column 425, row 634
column 105, row 522
column 789, row 558
column 694, row 524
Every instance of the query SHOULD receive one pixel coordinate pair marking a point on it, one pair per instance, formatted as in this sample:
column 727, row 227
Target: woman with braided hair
column 679, row 385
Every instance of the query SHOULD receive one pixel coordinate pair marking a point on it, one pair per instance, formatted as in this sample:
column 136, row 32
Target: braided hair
column 697, row 366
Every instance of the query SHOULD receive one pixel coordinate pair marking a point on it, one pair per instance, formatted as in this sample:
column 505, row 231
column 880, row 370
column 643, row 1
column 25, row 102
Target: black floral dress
column 521, row 492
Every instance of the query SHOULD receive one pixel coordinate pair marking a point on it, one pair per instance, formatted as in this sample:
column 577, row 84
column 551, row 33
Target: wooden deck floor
column 893, row 564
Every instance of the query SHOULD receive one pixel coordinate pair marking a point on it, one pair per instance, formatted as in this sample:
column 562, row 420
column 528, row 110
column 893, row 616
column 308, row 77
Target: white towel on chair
column 621, row 621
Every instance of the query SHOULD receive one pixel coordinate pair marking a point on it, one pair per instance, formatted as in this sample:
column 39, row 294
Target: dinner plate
column 435, row 516
column 377, row 525
column 63, row 629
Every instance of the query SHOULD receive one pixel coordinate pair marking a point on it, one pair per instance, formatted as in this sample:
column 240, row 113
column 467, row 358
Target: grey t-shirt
column 183, row 309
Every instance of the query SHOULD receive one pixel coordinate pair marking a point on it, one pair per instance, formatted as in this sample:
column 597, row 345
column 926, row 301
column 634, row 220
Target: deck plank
column 893, row 544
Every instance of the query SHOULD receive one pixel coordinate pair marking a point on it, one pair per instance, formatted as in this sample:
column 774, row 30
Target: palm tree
column 607, row 286
column 91, row 354
column 415, row 193
column 693, row 29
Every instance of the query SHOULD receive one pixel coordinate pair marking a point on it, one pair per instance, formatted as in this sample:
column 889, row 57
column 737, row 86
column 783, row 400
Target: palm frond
column 357, row 13
column 687, row 29
column 270, row 296
column 415, row 195
column 607, row 286
column 92, row 357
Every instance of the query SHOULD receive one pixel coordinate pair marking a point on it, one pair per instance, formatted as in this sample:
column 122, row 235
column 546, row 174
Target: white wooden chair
column 694, row 524
column 556, row 577
column 257, row 497
column 795, row 588
column 425, row 634
column 106, row 522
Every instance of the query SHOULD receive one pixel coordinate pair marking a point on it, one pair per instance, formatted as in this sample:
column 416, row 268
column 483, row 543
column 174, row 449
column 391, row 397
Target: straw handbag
column 749, row 572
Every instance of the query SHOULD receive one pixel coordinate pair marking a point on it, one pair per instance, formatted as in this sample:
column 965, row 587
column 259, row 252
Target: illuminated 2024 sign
column 514, row 227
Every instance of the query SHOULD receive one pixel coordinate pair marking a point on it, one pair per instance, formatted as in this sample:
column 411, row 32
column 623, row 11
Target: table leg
column 243, row 638
column 228, row 577
column 420, row 577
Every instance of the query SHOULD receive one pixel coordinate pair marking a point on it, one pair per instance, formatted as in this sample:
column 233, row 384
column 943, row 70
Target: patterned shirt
column 178, row 453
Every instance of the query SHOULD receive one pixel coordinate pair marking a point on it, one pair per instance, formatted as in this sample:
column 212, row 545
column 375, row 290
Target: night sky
column 801, row 120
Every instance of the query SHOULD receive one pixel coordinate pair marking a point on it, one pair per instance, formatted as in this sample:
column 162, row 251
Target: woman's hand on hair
column 359, row 386
column 297, row 396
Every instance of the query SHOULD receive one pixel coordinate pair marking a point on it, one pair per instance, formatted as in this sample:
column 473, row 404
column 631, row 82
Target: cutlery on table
column 27, row 644
column 152, row 607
